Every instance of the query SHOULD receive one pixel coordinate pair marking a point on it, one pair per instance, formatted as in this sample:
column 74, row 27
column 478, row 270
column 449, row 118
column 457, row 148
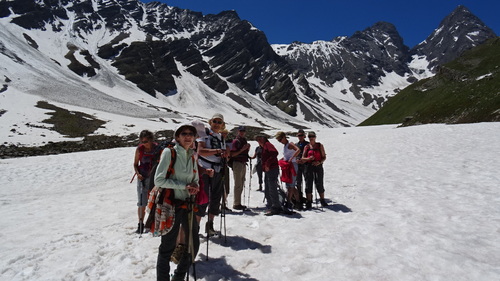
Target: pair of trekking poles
column 224, row 208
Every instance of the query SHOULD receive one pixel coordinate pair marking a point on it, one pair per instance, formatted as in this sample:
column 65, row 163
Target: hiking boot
column 209, row 228
column 260, row 187
column 298, row 206
column 178, row 253
column 323, row 202
column 140, row 228
column 239, row 207
column 308, row 205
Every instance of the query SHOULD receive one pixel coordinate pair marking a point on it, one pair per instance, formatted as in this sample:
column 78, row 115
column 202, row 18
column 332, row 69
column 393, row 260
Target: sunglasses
column 311, row 137
column 217, row 122
column 301, row 135
column 187, row 134
column 146, row 141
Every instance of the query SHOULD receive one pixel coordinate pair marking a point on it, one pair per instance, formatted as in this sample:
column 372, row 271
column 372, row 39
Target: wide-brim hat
column 185, row 126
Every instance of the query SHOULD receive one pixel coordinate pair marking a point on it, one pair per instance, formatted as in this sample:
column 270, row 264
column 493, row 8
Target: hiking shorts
column 142, row 194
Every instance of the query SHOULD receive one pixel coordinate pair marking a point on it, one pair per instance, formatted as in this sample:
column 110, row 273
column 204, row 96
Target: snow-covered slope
column 416, row 203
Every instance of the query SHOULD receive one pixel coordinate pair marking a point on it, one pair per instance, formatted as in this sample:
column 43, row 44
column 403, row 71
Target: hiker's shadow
column 248, row 212
column 238, row 243
column 215, row 269
column 339, row 208
column 260, row 211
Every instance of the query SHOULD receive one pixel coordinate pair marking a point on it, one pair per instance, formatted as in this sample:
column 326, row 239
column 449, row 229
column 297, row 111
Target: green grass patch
column 466, row 90
column 72, row 124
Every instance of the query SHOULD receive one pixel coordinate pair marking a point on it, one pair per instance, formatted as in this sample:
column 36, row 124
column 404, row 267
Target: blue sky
column 285, row 21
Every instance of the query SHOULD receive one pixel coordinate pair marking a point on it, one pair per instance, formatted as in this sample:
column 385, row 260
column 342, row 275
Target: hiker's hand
column 210, row 172
column 192, row 188
column 140, row 177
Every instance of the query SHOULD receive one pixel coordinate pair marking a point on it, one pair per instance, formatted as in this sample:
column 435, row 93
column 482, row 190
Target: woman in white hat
column 184, row 183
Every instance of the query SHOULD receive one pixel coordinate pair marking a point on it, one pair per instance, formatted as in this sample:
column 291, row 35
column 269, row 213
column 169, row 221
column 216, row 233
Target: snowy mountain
column 374, row 64
column 164, row 64
column 458, row 32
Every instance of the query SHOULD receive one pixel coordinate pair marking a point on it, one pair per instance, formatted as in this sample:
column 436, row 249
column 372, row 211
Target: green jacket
column 185, row 171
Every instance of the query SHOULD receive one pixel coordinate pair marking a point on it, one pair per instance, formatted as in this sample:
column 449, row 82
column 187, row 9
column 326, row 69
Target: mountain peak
column 459, row 31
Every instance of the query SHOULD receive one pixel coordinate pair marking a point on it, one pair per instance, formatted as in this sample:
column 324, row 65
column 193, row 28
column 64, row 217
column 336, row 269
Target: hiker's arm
column 304, row 155
column 239, row 150
column 136, row 165
column 297, row 151
column 203, row 151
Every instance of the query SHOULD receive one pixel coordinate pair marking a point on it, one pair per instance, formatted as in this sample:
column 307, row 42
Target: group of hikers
column 190, row 180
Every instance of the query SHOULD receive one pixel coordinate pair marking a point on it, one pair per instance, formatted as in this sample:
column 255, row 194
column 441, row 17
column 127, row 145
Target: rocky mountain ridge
column 367, row 57
column 179, row 57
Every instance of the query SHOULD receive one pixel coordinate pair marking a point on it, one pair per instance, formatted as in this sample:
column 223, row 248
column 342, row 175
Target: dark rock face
column 361, row 58
column 458, row 32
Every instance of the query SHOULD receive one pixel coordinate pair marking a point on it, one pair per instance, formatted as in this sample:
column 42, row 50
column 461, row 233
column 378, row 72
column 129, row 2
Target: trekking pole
column 223, row 216
column 208, row 214
column 250, row 184
column 133, row 177
column 244, row 189
column 141, row 225
column 190, row 241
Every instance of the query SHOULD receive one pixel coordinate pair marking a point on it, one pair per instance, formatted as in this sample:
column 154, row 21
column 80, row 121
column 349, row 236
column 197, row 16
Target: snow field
column 418, row 203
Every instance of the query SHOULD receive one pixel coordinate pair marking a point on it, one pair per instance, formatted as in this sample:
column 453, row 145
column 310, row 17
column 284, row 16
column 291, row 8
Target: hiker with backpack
column 258, row 166
column 227, row 171
column 239, row 159
column 212, row 155
column 177, row 180
column 314, row 155
column 289, row 167
column 201, row 197
column 142, row 166
column 271, row 173
column 301, row 135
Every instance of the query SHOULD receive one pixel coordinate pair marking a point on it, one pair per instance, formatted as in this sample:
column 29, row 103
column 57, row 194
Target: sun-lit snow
column 417, row 203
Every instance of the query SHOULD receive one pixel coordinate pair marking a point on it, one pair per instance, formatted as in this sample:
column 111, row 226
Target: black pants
column 259, row 173
column 300, row 174
column 167, row 246
column 214, row 188
column 314, row 174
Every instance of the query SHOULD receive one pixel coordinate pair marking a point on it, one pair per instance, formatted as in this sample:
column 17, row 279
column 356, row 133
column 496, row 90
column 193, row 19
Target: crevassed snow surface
column 419, row 203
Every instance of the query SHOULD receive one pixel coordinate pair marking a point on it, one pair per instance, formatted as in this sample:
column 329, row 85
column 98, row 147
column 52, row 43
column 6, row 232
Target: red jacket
column 287, row 171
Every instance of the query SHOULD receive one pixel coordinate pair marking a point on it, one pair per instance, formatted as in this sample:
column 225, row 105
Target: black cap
column 242, row 128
